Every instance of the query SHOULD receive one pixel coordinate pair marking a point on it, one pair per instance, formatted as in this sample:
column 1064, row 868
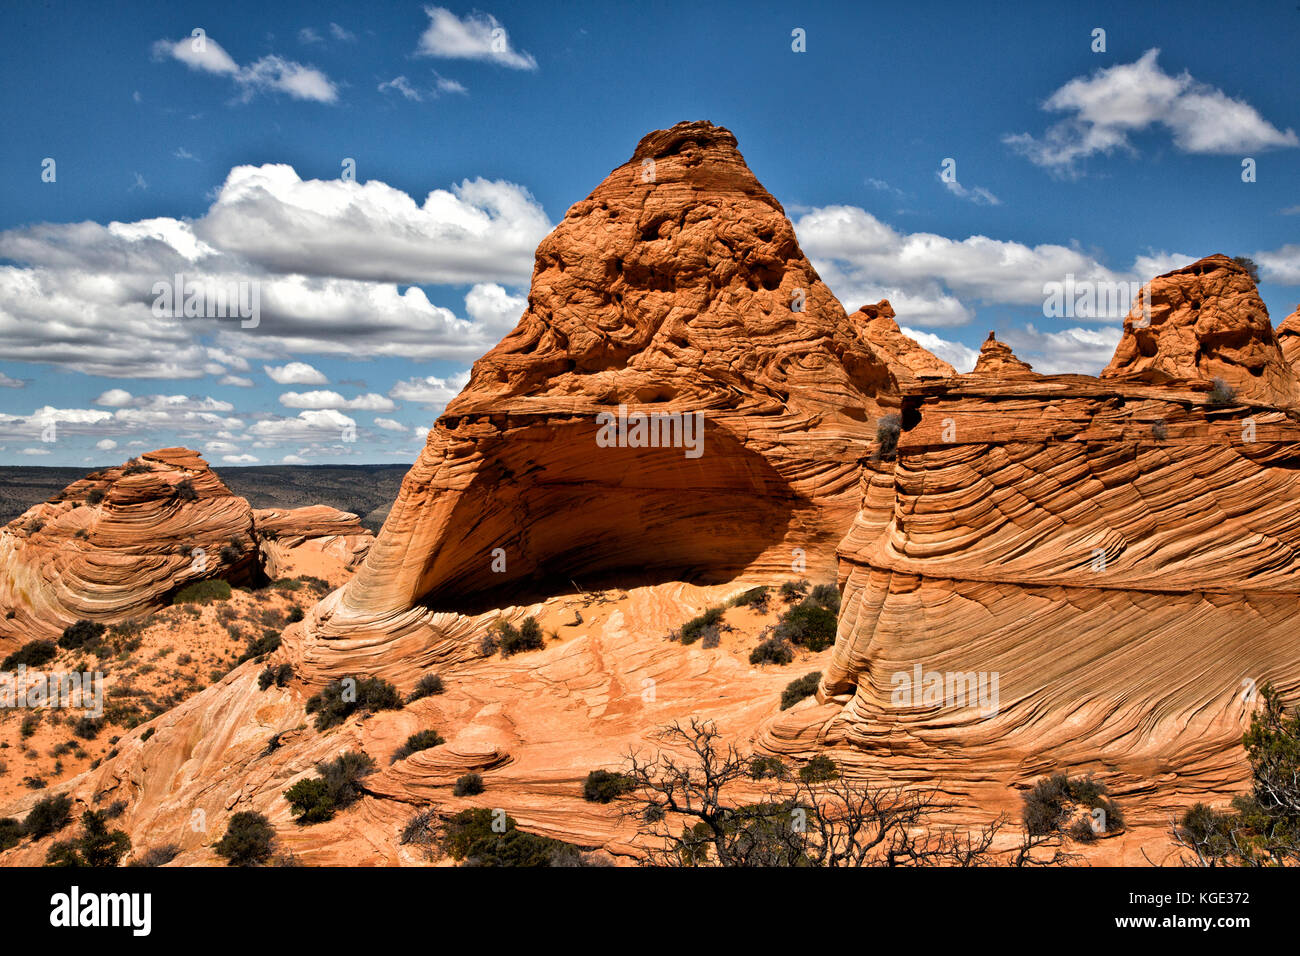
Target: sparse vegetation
column 604, row 786
column 702, row 626
column 756, row 598
column 888, row 429
column 157, row 856
column 96, row 845
column 203, row 592
column 248, row 841
column 468, row 785
column 1053, row 806
column 420, row 740
column 338, row 699
column 774, row 650
column 1249, row 265
column 792, row 591
column 317, row 799
column 275, row 674
column 513, row 640
column 480, row 837
column 809, row 625
column 799, row 688
column 185, row 491
column 429, row 685
column 819, row 770
column 83, row 634
column 48, row 815
column 1221, row 393
column 95, row 495
column 32, row 654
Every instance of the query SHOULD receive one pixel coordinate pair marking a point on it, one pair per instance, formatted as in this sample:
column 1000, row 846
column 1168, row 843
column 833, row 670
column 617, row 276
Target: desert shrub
column 96, row 845
column 818, row 770
column 756, row 598
column 1221, row 393
column 827, row 596
column 317, row 799
column 887, row 431
column 157, row 855
column 29, row 725
column 48, row 815
column 1159, row 430
column 603, row 786
column 792, row 591
column 32, row 654
column 203, row 592
column 230, row 555
column 768, row 768
column 337, row 700
column 421, row 740
column 248, row 840
column 135, row 466
column 1247, row 263
column 260, row 646
column 774, row 650
column 512, row 640
column 710, row 622
column 295, row 615
column 11, row 831
column 95, row 495
column 808, row 625
column 87, row 728
column 427, row 686
column 488, row 646
column 277, row 674
column 468, row 785
column 185, row 491
column 471, row 841
column 1051, row 804
column 799, row 688
column 81, row 634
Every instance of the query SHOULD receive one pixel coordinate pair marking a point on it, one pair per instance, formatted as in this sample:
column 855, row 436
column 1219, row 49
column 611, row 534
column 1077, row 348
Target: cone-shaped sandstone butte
column 677, row 287
column 906, row 359
column 997, row 360
column 119, row 542
column 1207, row 321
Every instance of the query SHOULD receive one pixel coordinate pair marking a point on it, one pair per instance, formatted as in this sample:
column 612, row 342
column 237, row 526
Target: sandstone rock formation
column 996, row 360
column 317, row 540
column 676, row 288
column 907, row 360
column 120, row 542
column 1288, row 337
column 1121, row 555
column 1207, row 321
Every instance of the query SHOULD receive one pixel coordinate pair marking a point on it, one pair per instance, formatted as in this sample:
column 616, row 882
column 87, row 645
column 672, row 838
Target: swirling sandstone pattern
column 120, row 542
column 677, row 287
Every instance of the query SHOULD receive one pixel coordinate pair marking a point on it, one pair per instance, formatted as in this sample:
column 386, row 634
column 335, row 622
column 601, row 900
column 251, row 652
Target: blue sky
column 225, row 160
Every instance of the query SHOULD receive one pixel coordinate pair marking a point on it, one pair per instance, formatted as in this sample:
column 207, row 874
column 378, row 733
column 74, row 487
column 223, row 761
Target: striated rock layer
column 907, row 360
column 1123, row 558
column 1206, row 321
column 120, row 542
column 676, row 288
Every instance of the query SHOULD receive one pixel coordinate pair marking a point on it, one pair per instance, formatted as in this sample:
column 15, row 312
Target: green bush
column 471, row 841
column 32, row 654
column 468, row 785
column 277, row 674
column 604, row 786
column 799, row 688
column 317, row 799
column 827, row 596
column 421, row 740
column 157, row 856
column 706, row 624
column 772, row 651
column 11, row 831
column 95, row 846
column 793, row 591
column 338, row 699
column 427, row 686
column 248, row 840
column 1221, row 393
column 756, row 598
column 87, row 727
column 203, row 592
column 808, row 625
column 887, row 431
column 83, row 634
column 526, row 637
column 768, row 768
column 185, row 491
column 95, row 495
column 1051, row 803
column 48, row 815
column 819, row 770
